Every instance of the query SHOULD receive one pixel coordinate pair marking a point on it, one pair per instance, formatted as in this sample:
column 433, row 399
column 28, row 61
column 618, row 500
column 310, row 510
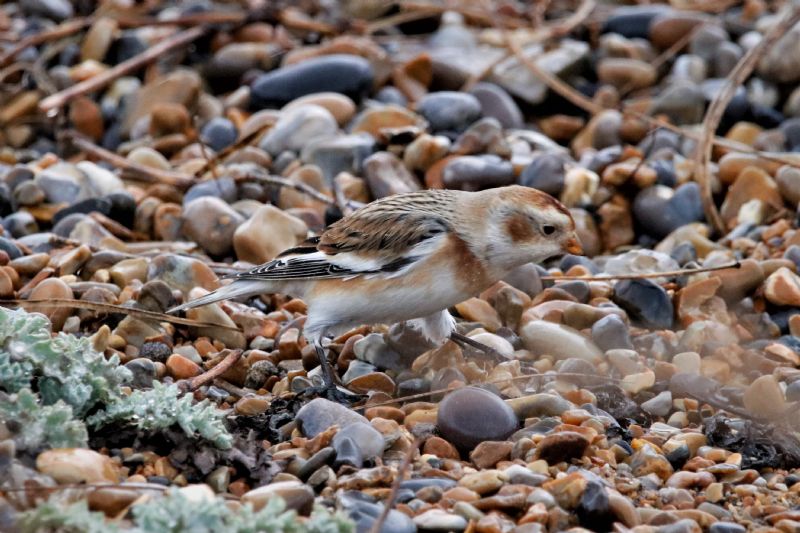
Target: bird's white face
column 522, row 232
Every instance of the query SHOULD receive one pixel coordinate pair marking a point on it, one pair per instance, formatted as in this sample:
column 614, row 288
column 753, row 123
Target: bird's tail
column 234, row 290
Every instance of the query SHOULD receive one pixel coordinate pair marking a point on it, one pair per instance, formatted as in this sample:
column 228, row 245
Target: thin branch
column 113, row 308
column 195, row 19
column 283, row 182
column 553, row 82
column 95, row 83
column 377, row 526
column 214, row 372
column 136, row 171
column 62, row 30
column 649, row 275
column 522, row 377
column 717, row 108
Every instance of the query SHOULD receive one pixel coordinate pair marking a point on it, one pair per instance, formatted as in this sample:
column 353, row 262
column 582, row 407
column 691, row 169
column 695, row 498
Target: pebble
column 472, row 173
column 611, row 332
column 359, row 437
column 298, row 127
column 77, row 465
column 562, row 342
column 497, row 103
column 212, row 223
column 340, row 106
column 561, row 446
column 469, row 416
column 764, row 398
column 297, row 496
column 219, row 133
column 782, row 287
column 268, row 232
column 661, row 210
column 440, row 520
column 345, row 74
column 319, row 414
column 545, row 172
column 449, row 111
column 645, row 301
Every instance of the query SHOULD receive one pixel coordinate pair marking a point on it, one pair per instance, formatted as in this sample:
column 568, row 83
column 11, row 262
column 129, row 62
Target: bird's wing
column 377, row 239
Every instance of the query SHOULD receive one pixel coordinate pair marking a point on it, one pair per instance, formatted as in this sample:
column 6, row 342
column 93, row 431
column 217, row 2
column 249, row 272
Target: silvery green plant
column 176, row 513
column 70, row 378
column 61, row 367
column 37, row 426
column 162, row 407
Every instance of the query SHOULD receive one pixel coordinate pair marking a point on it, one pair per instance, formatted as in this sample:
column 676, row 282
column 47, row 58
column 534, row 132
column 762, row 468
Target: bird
column 409, row 257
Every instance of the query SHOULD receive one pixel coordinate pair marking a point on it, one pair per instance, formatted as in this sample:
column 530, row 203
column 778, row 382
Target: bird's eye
column 548, row 229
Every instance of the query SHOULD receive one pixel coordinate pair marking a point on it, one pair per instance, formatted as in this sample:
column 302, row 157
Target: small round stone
column 470, row 415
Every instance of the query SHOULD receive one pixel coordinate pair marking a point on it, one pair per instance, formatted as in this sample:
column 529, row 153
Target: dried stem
column 134, row 170
column 377, row 526
column 283, row 182
column 214, row 372
column 649, row 275
column 62, row 30
column 717, row 108
column 113, row 308
column 60, row 99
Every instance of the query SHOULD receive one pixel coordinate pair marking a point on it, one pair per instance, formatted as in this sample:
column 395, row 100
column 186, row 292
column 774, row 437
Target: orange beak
column 573, row 246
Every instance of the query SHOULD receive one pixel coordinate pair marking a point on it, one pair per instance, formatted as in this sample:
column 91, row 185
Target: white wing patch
column 343, row 265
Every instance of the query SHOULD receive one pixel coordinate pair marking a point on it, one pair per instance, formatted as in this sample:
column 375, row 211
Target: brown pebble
column 180, row 367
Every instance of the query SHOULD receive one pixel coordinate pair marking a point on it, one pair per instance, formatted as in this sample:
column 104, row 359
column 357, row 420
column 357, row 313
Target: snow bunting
column 409, row 257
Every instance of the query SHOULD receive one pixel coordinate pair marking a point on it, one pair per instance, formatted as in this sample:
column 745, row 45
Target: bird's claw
column 331, row 392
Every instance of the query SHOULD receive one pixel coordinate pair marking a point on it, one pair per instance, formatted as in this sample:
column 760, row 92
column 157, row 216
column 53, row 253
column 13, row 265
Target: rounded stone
column 449, row 110
column 211, row 223
column 341, row 73
column 470, row 415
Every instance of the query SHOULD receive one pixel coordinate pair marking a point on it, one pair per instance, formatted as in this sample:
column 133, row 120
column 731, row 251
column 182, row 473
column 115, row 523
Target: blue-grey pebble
column 449, row 110
column 645, row 301
column 347, row 74
column 223, row 188
column 545, row 172
column 497, row 103
column 219, row 133
column 661, row 210
column 611, row 332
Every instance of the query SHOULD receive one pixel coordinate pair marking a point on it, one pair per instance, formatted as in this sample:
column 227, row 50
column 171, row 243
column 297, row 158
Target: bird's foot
column 331, row 392
column 463, row 340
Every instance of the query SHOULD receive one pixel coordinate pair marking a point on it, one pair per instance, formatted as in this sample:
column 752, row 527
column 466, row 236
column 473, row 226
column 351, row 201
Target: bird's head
column 528, row 225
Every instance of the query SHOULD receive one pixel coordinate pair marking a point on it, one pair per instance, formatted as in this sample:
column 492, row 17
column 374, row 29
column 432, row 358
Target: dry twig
column 398, row 480
column 134, row 171
column 62, row 30
column 113, row 308
column 217, row 370
column 715, row 111
column 60, row 99
column 649, row 275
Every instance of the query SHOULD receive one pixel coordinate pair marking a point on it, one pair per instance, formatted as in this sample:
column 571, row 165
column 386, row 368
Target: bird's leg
column 463, row 340
column 327, row 371
column 329, row 390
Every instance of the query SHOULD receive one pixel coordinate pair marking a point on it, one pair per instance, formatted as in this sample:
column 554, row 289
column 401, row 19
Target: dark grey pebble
column 645, row 301
column 633, row 21
column 219, row 133
column 363, row 510
column 20, row 224
column 661, row 210
column 449, row 110
column 469, row 416
column 342, row 73
column 546, row 173
column 144, row 372
column 611, row 332
column 497, row 103
column 476, row 172
column 223, row 188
